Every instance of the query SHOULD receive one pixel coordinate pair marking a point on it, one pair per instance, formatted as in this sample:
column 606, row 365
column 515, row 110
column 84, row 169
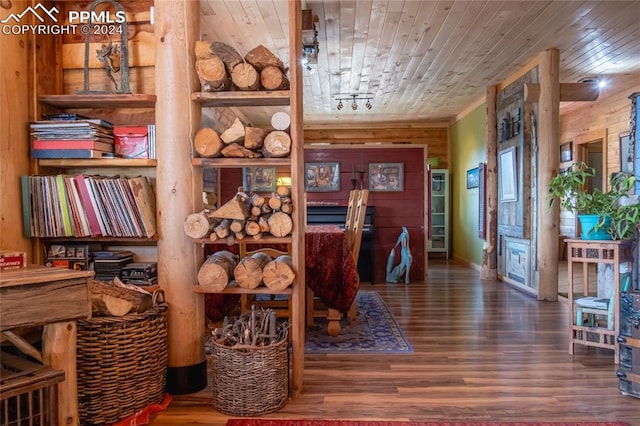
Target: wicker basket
column 250, row 382
column 122, row 363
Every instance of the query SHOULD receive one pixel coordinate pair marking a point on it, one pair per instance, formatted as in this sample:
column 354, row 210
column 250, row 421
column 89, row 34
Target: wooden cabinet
column 293, row 99
column 439, row 214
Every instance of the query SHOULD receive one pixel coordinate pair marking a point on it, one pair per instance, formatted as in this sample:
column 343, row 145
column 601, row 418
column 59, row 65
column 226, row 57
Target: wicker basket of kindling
column 250, row 376
column 122, row 363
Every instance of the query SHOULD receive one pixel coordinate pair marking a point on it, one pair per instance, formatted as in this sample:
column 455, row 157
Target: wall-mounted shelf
column 109, row 100
column 242, row 99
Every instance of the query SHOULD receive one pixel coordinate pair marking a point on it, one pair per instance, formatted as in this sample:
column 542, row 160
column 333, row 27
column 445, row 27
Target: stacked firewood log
column 244, row 216
column 117, row 298
column 220, row 67
column 223, row 267
column 242, row 141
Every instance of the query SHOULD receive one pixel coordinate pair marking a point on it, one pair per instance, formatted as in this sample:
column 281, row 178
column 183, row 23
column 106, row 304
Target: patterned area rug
column 275, row 422
column 375, row 331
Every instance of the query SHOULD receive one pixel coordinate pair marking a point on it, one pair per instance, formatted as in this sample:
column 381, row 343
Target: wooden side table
column 603, row 331
column 54, row 298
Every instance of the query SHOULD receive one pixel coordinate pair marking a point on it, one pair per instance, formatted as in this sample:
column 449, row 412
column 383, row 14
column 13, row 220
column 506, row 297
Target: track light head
column 339, row 107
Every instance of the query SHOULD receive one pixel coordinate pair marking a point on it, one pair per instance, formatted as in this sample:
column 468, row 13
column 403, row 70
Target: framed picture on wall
column 259, row 179
column 627, row 153
column 507, row 174
column 322, row 177
column 566, row 152
column 473, row 178
column 386, row 177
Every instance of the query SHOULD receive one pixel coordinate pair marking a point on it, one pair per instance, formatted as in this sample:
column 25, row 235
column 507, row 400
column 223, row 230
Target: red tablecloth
column 330, row 269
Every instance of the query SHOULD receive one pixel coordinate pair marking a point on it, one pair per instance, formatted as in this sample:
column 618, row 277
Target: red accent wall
column 393, row 210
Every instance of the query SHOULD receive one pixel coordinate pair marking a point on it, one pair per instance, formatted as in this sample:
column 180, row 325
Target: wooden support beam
column 569, row 92
column 176, row 31
column 489, row 269
column 549, row 160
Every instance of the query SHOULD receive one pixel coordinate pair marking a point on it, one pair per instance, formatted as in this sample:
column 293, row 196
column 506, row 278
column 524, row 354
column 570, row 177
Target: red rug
column 276, row 422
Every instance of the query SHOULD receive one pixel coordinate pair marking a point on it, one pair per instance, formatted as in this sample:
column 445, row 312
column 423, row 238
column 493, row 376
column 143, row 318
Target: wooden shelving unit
column 293, row 99
column 107, row 100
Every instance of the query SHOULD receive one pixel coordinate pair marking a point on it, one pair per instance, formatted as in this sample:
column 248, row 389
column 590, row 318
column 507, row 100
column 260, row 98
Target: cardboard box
column 12, row 259
column 131, row 141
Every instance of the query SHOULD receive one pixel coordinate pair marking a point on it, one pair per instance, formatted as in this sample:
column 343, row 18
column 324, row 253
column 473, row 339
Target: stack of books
column 108, row 264
column 71, row 136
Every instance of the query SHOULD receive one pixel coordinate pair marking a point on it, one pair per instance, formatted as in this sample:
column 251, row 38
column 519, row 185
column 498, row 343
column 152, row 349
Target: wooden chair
column 356, row 212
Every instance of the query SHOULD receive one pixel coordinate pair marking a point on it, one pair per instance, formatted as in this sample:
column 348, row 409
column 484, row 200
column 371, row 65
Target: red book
column 72, row 144
column 88, row 206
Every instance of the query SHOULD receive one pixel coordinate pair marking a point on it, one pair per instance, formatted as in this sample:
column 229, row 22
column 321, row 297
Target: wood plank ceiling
column 424, row 60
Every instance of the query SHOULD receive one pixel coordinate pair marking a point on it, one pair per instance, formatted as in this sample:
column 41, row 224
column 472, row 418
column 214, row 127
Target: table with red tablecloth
column 330, row 269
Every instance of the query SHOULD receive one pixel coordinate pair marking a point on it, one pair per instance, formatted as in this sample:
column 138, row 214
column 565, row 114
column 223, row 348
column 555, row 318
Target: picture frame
column 627, row 152
column 386, row 177
column 507, row 175
column 473, row 178
column 566, row 152
column 259, row 179
column 517, row 261
column 322, row 177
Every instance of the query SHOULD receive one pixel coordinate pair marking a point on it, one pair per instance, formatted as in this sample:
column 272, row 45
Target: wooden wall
column 610, row 112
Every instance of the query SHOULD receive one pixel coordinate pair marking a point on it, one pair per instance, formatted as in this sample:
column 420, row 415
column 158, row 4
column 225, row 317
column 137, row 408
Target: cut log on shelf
column 237, row 225
column 252, row 227
column 256, row 200
column 281, row 121
column 199, row 225
column 227, row 54
column 248, row 272
column 203, row 50
column 254, row 137
column 272, row 78
column 261, row 57
column 234, row 134
column 207, row 143
column 279, row 273
column 245, row 77
column 217, row 270
column 212, row 74
column 277, row 144
column 222, row 230
column 283, row 191
column 140, row 301
column 236, row 208
column 263, row 222
column 280, row 224
column 233, row 150
column 274, row 202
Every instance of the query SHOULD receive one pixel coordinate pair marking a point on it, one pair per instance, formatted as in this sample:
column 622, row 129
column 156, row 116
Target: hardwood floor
column 482, row 351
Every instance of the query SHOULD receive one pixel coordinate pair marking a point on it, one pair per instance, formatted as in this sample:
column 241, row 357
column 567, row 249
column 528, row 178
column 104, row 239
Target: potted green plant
column 603, row 215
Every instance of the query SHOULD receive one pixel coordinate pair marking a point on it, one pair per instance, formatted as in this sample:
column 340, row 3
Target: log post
column 178, row 192
column 549, row 160
column 489, row 269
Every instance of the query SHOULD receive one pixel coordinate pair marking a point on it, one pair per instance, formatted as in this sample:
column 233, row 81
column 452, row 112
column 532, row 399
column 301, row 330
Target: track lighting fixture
column 354, row 101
